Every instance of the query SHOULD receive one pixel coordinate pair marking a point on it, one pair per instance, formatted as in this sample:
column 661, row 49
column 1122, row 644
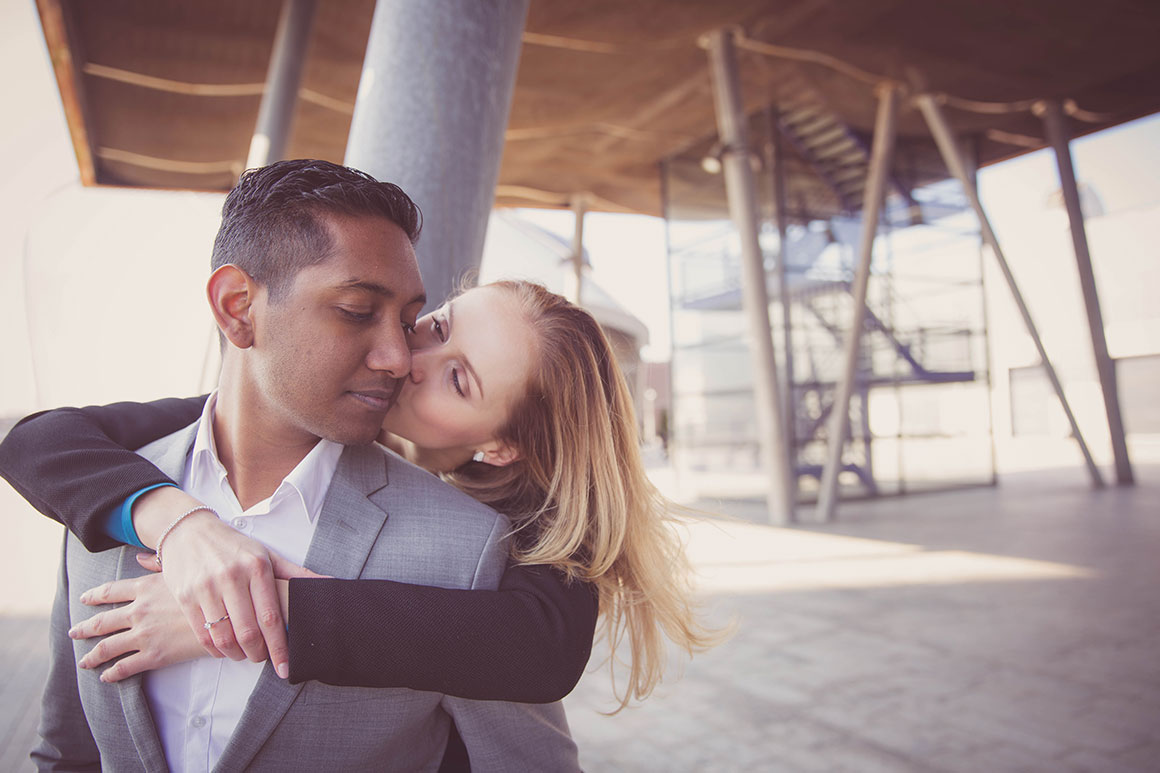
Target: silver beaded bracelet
column 172, row 526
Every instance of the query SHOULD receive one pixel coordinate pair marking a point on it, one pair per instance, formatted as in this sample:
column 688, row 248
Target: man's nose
column 390, row 352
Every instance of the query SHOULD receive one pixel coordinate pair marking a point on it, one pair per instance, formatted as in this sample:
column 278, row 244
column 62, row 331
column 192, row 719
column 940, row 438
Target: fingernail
column 72, row 633
column 283, row 670
column 85, row 597
column 83, row 664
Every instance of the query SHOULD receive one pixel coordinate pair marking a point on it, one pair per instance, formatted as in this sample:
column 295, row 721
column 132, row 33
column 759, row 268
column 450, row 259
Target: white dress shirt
column 196, row 705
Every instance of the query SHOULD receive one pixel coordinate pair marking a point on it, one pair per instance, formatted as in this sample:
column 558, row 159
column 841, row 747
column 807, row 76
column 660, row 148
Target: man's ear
column 231, row 294
column 499, row 454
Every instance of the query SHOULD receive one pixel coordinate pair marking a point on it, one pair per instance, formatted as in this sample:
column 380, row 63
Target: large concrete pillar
column 430, row 116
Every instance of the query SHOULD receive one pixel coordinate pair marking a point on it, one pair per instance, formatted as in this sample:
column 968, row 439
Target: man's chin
column 354, row 434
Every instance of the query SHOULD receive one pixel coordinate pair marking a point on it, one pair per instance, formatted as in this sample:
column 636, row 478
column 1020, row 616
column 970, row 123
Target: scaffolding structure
column 919, row 413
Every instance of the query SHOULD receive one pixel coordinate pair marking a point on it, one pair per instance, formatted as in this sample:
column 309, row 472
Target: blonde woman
column 514, row 397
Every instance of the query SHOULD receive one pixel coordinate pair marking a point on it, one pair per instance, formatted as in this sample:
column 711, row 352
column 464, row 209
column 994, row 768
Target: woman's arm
column 72, row 465
column 528, row 641
column 378, row 633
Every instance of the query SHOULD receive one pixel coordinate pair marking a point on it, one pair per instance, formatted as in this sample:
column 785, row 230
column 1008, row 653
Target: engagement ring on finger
column 207, row 625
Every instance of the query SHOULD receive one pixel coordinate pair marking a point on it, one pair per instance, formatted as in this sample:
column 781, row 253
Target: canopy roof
column 166, row 94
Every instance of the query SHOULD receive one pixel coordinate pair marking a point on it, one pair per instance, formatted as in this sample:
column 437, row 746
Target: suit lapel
column 348, row 526
column 352, row 515
column 268, row 703
column 132, row 690
column 169, row 455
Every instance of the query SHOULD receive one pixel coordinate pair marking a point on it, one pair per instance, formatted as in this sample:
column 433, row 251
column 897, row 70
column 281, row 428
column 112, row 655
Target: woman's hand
column 213, row 571
column 151, row 626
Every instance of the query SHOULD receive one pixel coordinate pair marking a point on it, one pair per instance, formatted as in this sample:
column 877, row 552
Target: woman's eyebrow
column 466, row 363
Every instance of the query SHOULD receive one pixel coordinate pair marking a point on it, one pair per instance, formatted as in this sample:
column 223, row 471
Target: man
column 315, row 282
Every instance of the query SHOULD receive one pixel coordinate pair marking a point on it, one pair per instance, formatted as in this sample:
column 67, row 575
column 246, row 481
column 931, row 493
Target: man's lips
column 375, row 398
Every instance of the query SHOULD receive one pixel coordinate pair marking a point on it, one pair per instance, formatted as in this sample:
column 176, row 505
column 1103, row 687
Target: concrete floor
column 1014, row 628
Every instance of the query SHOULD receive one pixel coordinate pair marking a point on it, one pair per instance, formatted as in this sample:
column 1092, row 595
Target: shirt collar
column 307, row 482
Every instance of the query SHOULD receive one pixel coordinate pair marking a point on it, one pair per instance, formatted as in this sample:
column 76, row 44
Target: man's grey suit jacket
column 382, row 518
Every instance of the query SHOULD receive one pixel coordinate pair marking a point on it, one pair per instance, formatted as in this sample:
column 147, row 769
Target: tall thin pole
column 1056, row 125
column 972, row 159
column 671, row 409
column 948, row 148
column 742, row 195
column 579, row 208
column 272, row 130
column 880, row 155
column 782, row 214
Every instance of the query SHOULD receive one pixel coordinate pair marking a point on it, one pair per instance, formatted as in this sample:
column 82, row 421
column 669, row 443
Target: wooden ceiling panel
column 606, row 89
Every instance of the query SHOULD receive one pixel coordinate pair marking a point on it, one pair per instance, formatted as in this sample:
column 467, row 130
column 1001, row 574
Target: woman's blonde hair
column 578, row 494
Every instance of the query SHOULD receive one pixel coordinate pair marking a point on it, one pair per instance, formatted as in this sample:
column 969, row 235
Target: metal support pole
column 948, row 148
column 1056, row 125
column 880, row 153
column 282, row 81
column 971, row 158
column 579, row 208
column 742, row 195
column 781, row 212
column 430, row 116
column 668, row 434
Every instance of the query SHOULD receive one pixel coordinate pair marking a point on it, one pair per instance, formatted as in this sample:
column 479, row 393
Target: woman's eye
column 438, row 328
column 455, row 382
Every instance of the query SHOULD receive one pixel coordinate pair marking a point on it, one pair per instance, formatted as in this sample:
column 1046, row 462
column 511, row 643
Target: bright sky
column 627, row 252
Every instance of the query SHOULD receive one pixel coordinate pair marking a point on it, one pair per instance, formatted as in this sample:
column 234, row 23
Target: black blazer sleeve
column 528, row 641
column 75, row 464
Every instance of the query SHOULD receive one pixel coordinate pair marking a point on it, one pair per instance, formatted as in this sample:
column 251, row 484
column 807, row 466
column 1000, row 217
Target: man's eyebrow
column 466, row 362
column 370, row 287
column 378, row 289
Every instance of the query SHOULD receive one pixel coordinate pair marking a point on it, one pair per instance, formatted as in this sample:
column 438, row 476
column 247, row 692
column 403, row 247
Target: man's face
column 329, row 354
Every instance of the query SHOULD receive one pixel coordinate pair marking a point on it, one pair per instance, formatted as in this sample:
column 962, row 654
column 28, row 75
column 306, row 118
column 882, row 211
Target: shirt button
column 239, row 523
column 198, row 722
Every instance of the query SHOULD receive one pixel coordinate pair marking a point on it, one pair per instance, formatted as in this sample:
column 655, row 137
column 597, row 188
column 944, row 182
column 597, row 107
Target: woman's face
column 470, row 362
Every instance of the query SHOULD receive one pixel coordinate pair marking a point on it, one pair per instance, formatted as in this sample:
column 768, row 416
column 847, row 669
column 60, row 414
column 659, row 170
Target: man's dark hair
column 273, row 220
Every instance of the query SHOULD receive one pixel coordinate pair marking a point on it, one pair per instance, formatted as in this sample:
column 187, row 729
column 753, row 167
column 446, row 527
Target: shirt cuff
column 120, row 523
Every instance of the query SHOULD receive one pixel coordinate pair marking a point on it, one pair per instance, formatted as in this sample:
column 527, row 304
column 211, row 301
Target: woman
column 554, row 447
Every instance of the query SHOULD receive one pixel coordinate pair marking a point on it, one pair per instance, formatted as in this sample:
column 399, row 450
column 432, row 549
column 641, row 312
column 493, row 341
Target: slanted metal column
column 781, row 212
column 431, row 112
column 282, row 81
column 880, row 155
column 1056, row 125
column 952, row 157
column 579, row 208
column 742, row 195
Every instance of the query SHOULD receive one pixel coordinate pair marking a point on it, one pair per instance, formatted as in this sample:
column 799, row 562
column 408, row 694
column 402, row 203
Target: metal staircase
column 837, row 155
